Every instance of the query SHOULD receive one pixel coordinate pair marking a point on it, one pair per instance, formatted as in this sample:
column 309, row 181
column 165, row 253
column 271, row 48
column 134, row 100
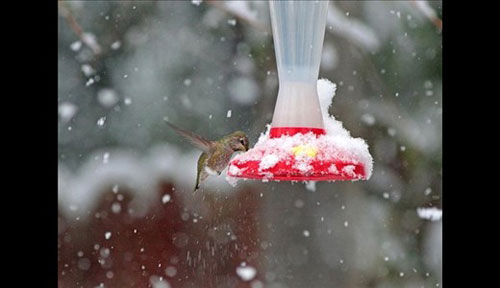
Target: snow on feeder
column 304, row 143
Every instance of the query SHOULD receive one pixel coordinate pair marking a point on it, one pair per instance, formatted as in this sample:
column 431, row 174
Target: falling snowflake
column 101, row 121
column 196, row 2
column 432, row 214
column 245, row 272
column 166, row 198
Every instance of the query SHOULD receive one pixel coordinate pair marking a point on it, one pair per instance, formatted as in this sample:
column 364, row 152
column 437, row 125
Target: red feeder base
column 326, row 169
column 284, row 170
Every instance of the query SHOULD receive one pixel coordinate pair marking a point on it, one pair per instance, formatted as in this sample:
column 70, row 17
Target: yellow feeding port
column 302, row 150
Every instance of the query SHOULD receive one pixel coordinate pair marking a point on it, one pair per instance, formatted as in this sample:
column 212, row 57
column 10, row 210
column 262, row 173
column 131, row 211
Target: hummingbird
column 216, row 154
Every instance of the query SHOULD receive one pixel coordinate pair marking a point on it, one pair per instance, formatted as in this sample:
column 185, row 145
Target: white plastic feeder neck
column 298, row 33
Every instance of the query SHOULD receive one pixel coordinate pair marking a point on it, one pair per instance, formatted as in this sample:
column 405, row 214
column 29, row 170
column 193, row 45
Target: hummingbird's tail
column 197, row 185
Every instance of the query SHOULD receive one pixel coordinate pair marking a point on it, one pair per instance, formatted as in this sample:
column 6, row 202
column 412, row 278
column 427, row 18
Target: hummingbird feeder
column 297, row 146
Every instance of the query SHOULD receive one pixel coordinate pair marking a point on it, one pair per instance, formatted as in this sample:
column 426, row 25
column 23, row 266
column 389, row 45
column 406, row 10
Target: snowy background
column 127, row 216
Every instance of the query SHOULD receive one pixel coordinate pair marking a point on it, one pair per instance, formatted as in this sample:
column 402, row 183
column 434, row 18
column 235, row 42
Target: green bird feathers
column 216, row 154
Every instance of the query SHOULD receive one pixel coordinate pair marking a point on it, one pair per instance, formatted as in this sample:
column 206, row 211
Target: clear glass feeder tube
column 298, row 33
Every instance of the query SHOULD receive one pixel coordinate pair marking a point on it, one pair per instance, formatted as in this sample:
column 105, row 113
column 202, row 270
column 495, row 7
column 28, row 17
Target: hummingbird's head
column 238, row 141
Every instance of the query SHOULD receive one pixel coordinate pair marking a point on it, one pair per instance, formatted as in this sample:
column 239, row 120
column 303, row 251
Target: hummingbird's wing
column 198, row 141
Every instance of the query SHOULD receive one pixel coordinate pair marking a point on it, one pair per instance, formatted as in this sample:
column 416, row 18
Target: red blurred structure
column 185, row 248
